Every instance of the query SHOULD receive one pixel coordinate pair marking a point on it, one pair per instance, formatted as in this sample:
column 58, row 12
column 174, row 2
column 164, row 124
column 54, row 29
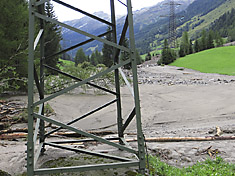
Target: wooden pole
column 184, row 139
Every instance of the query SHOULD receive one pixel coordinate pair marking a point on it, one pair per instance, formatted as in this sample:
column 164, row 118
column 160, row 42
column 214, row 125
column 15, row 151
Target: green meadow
column 218, row 60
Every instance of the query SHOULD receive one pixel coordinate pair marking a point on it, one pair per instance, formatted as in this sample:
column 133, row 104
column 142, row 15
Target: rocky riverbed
column 175, row 102
column 170, row 75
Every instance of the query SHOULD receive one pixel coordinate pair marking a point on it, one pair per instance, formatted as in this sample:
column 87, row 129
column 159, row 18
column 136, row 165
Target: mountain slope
column 225, row 25
column 150, row 28
column 142, row 18
column 151, row 32
column 152, row 36
column 86, row 24
column 205, row 20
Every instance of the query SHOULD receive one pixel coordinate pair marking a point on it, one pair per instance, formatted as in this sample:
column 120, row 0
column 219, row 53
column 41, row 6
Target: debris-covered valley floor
column 175, row 102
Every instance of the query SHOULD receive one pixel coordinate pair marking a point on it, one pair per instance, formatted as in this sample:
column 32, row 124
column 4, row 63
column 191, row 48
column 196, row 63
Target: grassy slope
column 208, row 167
column 218, row 60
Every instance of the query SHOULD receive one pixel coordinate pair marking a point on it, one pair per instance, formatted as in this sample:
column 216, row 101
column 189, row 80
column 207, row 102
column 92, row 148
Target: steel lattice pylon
column 172, row 23
column 38, row 135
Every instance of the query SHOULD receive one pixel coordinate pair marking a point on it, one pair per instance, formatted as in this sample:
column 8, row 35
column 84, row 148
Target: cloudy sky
column 92, row 6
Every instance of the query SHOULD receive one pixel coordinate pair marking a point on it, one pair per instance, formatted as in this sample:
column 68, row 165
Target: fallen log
column 18, row 130
column 184, row 139
column 22, row 133
column 13, row 136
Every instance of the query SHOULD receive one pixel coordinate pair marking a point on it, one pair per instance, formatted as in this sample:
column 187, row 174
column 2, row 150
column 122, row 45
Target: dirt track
column 175, row 102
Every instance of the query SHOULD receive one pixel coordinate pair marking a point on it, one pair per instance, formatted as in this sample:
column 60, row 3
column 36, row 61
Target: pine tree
column 190, row 47
column 66, row 56
column 231, row 35
column 125, row 55
column 148, row 57
column 168, row 55
column 203, row 43
column 210, row 41
column 185, row 46
column 93, row 59
column 182, row 51
column 185, row 41
column 52, row 37
column 196, row 46
column 98, row 57
column 80, row 57
column 218, row 39
column 108, row 51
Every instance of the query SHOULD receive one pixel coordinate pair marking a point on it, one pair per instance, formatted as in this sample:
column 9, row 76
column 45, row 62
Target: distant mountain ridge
column 87, row 24
column 142, row 18
column 150, row 27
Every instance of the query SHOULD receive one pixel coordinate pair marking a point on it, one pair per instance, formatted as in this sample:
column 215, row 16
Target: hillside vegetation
column 200, row 15
column 207, row 19
column 218, row 60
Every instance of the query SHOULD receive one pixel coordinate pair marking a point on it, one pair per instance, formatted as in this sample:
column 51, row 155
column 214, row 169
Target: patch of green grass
column 210, row 167
column 218, row 60
column 65, row 63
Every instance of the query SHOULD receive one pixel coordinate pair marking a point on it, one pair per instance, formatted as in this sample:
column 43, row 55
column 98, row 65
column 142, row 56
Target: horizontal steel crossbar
column 86, row 168
column 89, row 152
column 84, row 133
column 81, row 140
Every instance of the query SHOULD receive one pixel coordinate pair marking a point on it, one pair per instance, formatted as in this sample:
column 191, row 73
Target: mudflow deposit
column 175, row 102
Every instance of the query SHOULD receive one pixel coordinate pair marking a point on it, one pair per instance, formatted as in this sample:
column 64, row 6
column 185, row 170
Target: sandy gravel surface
column 175, row 102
